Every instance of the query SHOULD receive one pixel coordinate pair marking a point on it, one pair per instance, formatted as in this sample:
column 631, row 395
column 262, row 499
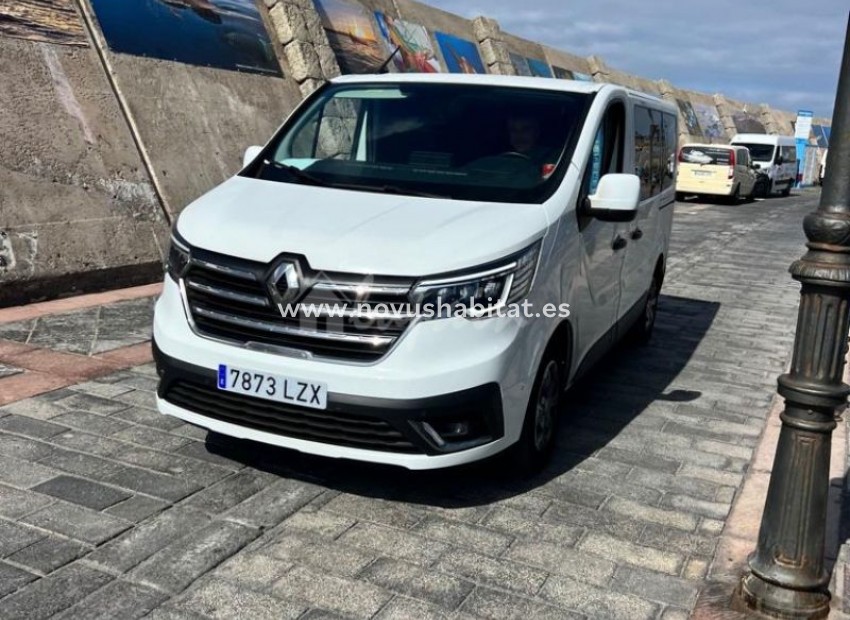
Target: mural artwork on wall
column 821, row 133
column 563, row 74
column 530, row 66
column 352, row 35
column 461, row 55
column 539, row 68
column 226, row 34
column 691, row 121
column 709, row 120
column 747, row 122
column 582, row 77
column 415, row 52
column 48, row 21
column 520, row 64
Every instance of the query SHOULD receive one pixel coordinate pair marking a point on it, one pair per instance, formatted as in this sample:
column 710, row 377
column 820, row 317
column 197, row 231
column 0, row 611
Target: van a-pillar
column 787, row 578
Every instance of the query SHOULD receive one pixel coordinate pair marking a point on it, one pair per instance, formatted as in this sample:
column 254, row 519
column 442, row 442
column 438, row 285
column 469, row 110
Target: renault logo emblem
column 284, row 285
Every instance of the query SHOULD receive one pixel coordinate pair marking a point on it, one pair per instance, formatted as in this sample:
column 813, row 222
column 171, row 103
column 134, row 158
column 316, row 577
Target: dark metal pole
column 787, row 577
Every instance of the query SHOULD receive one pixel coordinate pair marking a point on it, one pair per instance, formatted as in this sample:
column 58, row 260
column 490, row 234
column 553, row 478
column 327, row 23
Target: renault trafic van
column 415, row 268
column 775, row 158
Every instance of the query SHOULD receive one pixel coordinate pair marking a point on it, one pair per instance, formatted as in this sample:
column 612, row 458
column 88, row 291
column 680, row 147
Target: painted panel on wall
column 461, row 55
column 351, row 32
column 709, row 120
column 563, row 74
column 415, row 52
column 821, row 134
column 691, row 122
column 225, row 34
column 747, row 122
column 539, row 68
column 48, row 21
column 582, row 77
column 520, row 64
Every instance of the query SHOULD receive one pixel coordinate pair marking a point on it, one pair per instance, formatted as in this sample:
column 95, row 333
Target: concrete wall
column 196, row 122
column 77, row 209
column 99, row 151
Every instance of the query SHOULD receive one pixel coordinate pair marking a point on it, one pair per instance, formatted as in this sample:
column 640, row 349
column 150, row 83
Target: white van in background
column 775, row 158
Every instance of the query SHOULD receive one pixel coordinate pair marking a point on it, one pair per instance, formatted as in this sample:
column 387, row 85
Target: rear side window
column 670, row 143
column 655, row 150
column 706, row 156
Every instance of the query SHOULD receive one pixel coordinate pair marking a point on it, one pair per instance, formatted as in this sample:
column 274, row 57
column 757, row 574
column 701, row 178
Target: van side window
column 607, row 154
column 671, row 143
column 789, row 154
column 643, row 151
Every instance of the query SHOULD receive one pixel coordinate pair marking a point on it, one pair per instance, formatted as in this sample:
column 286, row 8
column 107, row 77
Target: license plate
column 273, row 387
column 703, row 173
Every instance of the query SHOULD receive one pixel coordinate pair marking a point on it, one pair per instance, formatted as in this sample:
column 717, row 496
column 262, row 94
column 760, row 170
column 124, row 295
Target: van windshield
column 705, row 155
column 759, row 152
column 466, row 142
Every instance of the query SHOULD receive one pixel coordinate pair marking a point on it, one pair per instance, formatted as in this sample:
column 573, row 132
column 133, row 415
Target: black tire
column 761, row 188
column 787, row 191
column 735, row 198
column 752, row 195
column 641, row 332
column 539, row 429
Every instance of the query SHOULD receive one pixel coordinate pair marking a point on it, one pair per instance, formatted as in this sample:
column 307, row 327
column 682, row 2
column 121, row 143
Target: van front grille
column 231, row 299
column 330, row 427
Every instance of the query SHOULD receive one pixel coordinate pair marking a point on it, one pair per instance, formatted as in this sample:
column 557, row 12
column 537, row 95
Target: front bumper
column 377, row 413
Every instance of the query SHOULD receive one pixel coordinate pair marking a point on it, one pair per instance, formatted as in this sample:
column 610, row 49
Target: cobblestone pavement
column 109, row 510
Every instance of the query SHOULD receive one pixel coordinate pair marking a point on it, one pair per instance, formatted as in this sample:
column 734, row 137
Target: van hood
column 356, row 232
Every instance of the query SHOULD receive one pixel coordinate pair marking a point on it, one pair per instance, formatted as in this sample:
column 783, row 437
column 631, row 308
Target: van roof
column 711, row 146
column 572, row 86
column 763, row 138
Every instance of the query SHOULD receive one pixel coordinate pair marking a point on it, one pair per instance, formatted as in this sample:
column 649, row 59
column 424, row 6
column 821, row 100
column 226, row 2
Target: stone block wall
column 99, row 151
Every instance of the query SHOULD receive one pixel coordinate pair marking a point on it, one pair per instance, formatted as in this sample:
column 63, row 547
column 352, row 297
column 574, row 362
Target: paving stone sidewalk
column 109, row 510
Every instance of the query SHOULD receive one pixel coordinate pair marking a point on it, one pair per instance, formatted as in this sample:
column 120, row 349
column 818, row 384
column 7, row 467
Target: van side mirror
column 250, row 154
column 779, row 160
column 616, row 198
column 756, row 167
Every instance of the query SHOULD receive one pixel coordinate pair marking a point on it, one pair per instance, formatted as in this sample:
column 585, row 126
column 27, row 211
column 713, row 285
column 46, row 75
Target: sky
column 785, row 53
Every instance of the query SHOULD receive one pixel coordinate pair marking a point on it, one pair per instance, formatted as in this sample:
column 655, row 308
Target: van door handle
column 637, row 233
column 619, row 243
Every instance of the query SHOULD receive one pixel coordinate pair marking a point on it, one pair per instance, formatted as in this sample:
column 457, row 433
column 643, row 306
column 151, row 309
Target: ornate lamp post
column 787, row 577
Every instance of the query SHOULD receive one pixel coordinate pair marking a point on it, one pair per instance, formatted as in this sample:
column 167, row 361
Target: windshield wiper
column 389, row 189
column 299, row 174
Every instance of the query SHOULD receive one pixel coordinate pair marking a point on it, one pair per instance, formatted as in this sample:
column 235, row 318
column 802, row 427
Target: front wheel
column 532, row 452
column 787, row 191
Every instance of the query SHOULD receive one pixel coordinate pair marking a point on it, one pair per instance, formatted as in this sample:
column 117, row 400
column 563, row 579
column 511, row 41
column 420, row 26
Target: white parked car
column 299, row 304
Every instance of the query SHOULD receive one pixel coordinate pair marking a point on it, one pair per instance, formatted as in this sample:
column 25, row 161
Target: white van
column 415, row 268
column 775, row 158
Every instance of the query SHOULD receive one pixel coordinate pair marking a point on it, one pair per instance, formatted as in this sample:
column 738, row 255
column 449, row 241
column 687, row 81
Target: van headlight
column 480, row 292
column 178, row 258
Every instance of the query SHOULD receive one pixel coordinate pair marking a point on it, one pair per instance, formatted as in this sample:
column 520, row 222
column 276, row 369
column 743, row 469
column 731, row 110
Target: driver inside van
column 524, row 134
